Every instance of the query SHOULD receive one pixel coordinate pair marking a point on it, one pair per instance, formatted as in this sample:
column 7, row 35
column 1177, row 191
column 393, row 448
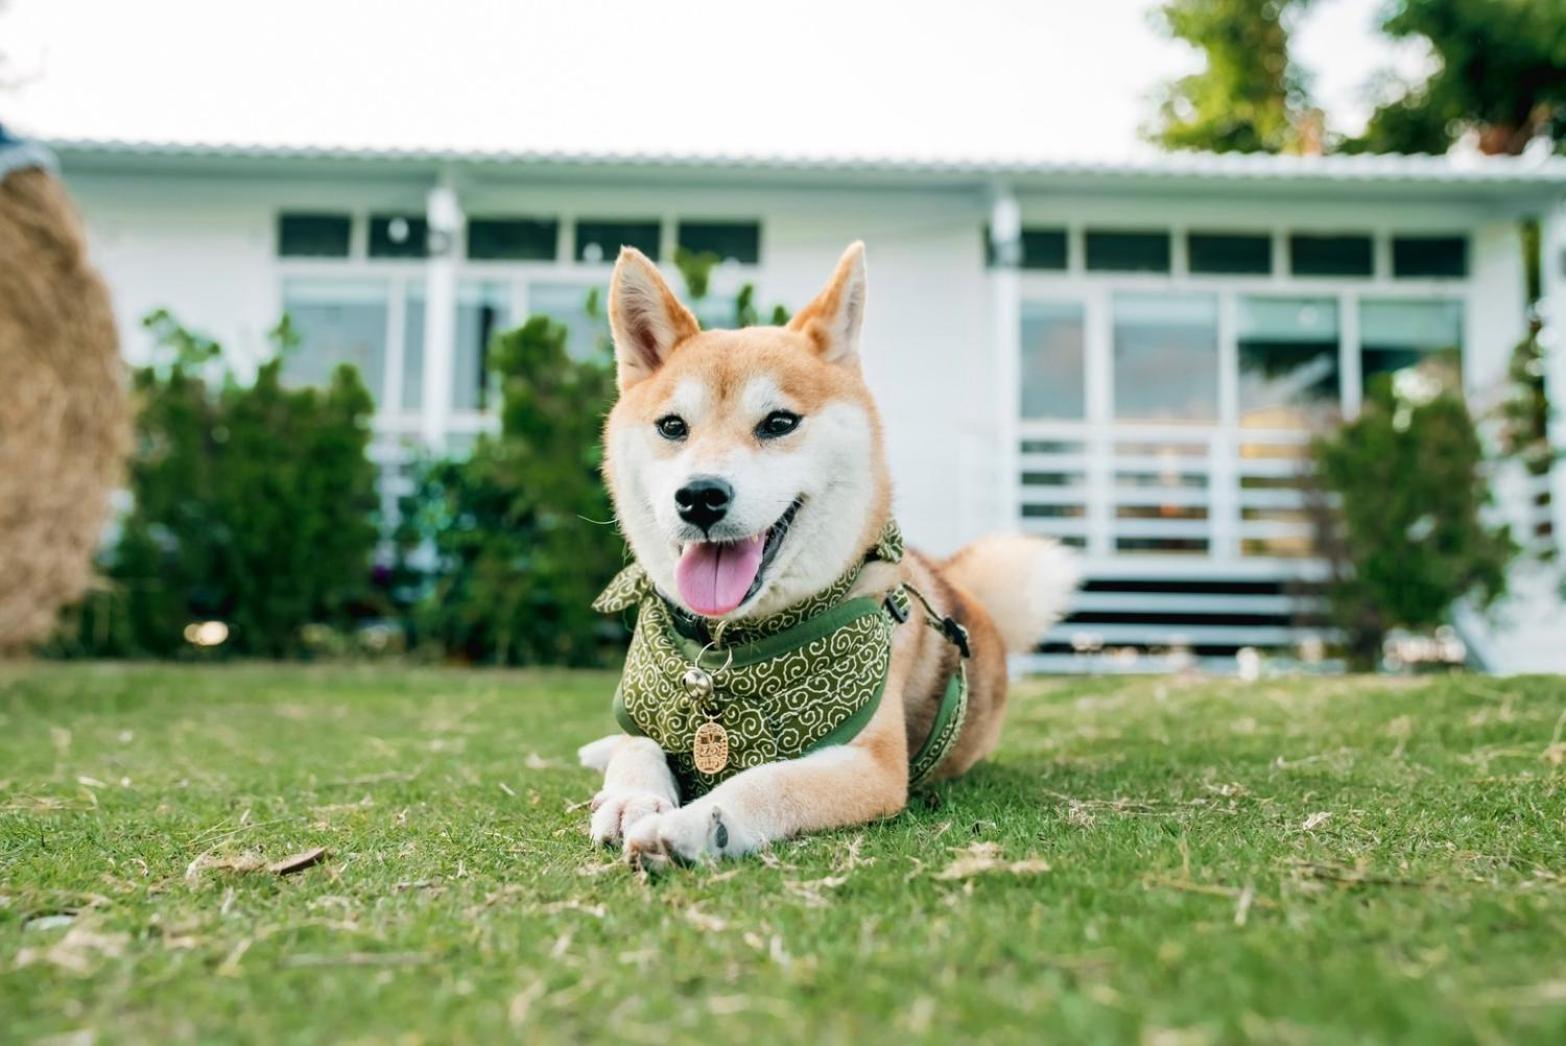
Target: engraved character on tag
column 710, row 748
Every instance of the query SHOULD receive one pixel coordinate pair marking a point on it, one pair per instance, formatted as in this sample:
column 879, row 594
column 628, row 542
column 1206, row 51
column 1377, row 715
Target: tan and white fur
column 722, row 385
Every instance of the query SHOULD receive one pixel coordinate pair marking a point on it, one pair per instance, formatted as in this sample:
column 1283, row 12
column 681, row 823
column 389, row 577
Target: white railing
column 1223, row 495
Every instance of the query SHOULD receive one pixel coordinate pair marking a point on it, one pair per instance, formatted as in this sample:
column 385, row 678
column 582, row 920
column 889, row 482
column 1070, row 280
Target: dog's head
column 746, row 466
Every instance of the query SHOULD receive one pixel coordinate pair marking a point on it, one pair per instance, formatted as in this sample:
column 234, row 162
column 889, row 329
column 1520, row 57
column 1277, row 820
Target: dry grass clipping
column 64, row 414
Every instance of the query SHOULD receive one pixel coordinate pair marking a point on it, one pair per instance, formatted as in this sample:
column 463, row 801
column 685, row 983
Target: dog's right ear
column 645, row 318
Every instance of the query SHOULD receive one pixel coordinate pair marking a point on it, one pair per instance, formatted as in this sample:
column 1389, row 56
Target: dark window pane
column 513, row 239
column 398, row 236
column 1128, row 251
column 1225, row 253
column 1053, row 360
column 736, row 241
column 1288, row 350
column 1041, row 249
column 600, row 241
column 313, row 235
column 1430, row 256
column 1330, row 255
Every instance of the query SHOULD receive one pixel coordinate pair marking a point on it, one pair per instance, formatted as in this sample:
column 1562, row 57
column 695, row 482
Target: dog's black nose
column 704, row 500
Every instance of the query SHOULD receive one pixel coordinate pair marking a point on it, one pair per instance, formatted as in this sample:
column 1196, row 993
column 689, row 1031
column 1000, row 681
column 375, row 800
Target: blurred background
column 1250, row 301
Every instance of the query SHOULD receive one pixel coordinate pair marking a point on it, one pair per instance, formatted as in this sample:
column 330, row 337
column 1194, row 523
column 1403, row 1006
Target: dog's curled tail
column 1024, row 583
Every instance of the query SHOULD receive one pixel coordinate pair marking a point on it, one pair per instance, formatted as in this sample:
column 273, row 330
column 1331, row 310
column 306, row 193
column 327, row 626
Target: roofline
column 1469, row 175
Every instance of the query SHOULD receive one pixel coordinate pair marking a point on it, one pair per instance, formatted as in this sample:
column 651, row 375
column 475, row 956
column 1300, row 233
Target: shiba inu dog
column 749, row 478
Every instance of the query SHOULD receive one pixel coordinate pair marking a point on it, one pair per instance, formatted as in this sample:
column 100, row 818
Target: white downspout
column 1552, row 272
column 443, row 212
column 1005, row 318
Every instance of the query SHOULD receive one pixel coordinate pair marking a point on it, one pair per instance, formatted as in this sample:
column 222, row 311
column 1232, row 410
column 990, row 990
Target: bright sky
column 979, row 78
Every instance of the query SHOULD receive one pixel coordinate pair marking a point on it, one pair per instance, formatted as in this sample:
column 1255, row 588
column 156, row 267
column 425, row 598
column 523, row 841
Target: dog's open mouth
column 715, row 577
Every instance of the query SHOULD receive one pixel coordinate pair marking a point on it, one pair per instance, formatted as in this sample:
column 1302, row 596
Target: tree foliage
column 1250, row 97
column 252, row 504
column 1500, row 71
column 1406, row 539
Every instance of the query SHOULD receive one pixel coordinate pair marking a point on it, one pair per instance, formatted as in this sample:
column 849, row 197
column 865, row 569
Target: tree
column 1500, row 71
column 1405, row 539
column 1250, row 97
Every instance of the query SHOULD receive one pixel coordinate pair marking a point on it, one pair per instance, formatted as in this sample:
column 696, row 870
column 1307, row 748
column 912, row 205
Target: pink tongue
column 713, row 576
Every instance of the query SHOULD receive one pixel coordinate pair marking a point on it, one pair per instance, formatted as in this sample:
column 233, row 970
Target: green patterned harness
column 782, row 686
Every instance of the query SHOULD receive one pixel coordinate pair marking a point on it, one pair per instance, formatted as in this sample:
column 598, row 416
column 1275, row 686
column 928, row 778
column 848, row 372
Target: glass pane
column 1430, row 256
column 1043, row 249
column 1166, row 357
column 730, row 241
column 587, row 335
column 513, row 239
column 600, row 241
column 413, row 349
column 338, row 322
column 1052, row 360
column 1411, row 340
column 1288, row 350
column 313, row 235
column 1330, row 255
column 483, row 310
column 398, row 236
column 1229, row 254
column 1128, row 251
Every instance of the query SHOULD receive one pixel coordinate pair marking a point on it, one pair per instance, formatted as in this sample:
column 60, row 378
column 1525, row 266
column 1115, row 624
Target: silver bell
column 697, row 683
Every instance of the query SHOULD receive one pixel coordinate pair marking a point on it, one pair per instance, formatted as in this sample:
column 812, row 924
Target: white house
column 1123, row 355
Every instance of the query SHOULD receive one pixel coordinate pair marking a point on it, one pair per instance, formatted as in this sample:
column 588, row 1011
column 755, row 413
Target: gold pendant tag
column 710, row 748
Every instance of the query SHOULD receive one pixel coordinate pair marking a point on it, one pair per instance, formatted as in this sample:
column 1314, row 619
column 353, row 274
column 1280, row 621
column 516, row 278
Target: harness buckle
column 898, row 610
column 958, row 635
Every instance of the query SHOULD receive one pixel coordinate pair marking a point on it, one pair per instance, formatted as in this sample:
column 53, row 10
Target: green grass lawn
column 1161, row 861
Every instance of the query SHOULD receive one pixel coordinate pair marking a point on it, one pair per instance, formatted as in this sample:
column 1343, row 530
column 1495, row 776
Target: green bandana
column 784, row 685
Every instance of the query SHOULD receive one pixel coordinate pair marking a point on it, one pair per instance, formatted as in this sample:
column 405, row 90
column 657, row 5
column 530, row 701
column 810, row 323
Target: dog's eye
column 778, row 423
column 672, row 426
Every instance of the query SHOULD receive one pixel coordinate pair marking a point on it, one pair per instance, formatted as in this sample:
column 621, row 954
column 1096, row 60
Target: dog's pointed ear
column 833, row 319
column 646, row 320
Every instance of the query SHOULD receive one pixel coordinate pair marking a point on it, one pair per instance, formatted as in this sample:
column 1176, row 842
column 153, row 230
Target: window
column 1052, row 360
column 1288, row 350
column 730, row 241
column 1430, row 256
column 1166, row 357
column 1413, row 341
column 483, row 311
column 398, row 236
column 1043, row 249
column 1127, row 251
column 513, row 239
column 313, row 235
column 581, row 310
column 1330, row 255
column 339, row 321
column 1229, row 254
column 600, row 241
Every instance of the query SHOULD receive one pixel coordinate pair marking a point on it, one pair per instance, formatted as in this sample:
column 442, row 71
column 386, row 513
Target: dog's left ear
column 645, row 318
column 833, row 319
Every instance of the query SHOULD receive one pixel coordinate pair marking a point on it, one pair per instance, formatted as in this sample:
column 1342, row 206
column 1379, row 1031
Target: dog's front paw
column 616, row 810
column 693, row 833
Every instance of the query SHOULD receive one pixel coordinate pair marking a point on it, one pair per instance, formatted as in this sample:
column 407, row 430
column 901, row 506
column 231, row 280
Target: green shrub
column 521, row 532
column 1406, row 539
column 253, row 504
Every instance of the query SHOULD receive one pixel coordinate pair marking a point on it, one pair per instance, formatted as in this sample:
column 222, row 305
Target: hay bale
column 64, row 413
